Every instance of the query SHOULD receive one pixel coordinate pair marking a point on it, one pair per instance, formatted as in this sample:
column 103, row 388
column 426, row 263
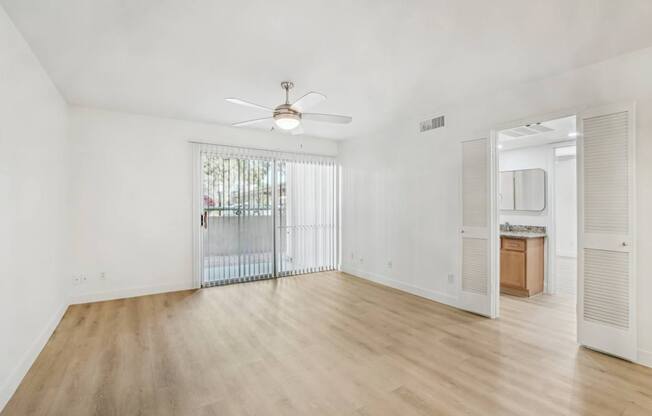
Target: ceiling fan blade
column 327, row 118
column 250, row 122
column 248, row 104
column 309, row 100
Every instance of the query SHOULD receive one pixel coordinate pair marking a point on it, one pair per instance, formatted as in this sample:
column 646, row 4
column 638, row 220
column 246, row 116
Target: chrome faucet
column 508, row 226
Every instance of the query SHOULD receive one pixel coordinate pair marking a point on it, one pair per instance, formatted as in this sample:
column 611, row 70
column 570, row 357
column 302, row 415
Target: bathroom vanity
column 521, row 262
column 522, row 247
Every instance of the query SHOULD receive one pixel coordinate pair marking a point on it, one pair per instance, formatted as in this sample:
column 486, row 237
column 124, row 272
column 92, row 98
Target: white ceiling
column 560, row 130
column 375, row 60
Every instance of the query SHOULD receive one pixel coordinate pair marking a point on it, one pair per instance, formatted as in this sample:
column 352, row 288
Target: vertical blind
column 266, row 214
column 306, row 216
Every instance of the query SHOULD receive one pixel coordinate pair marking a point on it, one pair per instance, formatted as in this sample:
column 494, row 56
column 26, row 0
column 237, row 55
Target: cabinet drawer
column 513, row 244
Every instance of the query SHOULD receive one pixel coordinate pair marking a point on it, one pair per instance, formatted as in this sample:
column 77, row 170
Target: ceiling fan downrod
column 287, row 86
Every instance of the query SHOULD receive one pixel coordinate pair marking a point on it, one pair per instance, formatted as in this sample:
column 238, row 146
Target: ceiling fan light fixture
column 287, row 121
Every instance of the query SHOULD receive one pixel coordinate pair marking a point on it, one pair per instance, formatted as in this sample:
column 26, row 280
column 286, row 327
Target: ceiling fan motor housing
column 285, row 117
column 286, row 110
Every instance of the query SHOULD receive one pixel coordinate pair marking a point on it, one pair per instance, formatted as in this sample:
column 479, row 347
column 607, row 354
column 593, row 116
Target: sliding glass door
column 265, row 214
column 237, row 219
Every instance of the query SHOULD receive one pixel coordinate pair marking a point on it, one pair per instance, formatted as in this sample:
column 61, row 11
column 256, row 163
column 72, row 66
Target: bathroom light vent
column 431, row 124
column 529, row 130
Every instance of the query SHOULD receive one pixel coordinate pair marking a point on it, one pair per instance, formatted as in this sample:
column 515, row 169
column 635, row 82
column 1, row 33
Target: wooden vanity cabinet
column 521, row 266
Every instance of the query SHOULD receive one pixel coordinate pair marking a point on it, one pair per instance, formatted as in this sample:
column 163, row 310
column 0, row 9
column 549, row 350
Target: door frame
column 197, row 240
column 494, row 232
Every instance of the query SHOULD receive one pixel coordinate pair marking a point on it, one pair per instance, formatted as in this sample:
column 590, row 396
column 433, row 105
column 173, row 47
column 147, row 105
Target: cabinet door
column 512, row 268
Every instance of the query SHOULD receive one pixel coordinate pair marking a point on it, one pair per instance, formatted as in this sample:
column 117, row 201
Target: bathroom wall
column 565, row 209
column 560, row 214
column 565, row 206
column 539, row 157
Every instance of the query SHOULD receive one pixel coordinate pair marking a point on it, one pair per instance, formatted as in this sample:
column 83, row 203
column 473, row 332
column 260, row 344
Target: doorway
column 264, row 214
column 537, row 200
column 606, row 222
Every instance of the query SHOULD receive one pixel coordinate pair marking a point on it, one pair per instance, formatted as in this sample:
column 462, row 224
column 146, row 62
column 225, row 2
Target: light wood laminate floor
column 323, row 344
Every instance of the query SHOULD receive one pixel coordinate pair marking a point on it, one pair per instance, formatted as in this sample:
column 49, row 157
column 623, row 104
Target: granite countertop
column 522, row 234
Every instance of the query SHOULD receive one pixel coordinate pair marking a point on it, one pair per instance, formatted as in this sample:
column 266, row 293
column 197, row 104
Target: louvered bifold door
column 606, row 307
column 475, row 288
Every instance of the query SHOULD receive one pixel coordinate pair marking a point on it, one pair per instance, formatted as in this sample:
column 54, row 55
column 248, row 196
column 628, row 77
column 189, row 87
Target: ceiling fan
column 288, row 116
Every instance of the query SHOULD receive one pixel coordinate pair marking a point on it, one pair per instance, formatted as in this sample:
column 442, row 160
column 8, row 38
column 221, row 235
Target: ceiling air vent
column 529, row 130
column 431, row 124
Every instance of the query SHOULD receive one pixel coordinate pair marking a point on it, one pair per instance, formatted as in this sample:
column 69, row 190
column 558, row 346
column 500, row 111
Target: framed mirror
column 523, row 190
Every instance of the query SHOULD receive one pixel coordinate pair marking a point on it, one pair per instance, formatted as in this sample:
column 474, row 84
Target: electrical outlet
column 103, row 276
column 451, row 278
column 389, row 264
column 79, row 279
column 361, row 260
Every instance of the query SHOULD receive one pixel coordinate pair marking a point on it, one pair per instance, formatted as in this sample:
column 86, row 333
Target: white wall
column 401, row 188
column 539, row 157
column 33, row 215
column 565, row 223
column 132, row 197
column 565, row 200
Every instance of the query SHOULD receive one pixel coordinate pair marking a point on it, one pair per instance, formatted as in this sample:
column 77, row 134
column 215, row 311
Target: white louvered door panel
column 474, row 245
column 606, row 301
column 474, row 265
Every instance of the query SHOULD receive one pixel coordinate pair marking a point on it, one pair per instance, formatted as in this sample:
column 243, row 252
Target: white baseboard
column 28, row 358
column 439, row 297
column 129, row 293
column 644, row 358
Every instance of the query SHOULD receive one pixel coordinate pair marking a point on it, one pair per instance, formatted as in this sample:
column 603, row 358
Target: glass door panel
column 238, row 235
